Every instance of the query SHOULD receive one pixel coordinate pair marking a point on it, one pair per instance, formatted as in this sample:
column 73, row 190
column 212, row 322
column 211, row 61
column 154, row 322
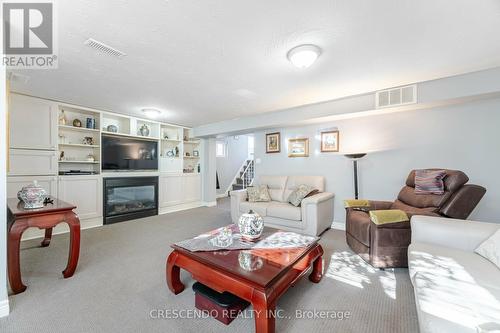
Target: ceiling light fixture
column 303, row 56
column 151, row 112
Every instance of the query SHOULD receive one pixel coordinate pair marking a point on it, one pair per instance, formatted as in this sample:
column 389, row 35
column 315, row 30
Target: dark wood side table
column 46, row 218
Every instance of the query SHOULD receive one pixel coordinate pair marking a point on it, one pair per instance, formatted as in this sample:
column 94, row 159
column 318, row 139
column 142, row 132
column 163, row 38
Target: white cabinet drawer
column 33, row 123
column 14, row 184
column 85, row 192
column 32, row 162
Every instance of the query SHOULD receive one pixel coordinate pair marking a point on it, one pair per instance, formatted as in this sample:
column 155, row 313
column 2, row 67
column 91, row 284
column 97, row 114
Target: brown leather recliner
column 386, row 245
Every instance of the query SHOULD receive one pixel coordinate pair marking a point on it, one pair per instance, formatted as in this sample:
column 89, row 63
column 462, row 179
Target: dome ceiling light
column 303, row 56
column 151, row 113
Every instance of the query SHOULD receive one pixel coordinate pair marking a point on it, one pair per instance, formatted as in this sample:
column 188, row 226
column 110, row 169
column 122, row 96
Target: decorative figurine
column 90, row 158
column 88, row 140
column 61, row 156
column 176, row 151
column 77, row 123
column 62, row 118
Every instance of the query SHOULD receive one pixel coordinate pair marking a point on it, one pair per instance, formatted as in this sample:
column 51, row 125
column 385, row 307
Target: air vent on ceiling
column 104, row 48
column 396, row 96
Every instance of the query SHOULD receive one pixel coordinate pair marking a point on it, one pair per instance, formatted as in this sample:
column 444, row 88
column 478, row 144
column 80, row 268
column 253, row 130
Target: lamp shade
column 355, row 155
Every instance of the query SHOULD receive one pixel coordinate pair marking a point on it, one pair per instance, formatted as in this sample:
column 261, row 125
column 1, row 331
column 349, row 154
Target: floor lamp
column 355, row 158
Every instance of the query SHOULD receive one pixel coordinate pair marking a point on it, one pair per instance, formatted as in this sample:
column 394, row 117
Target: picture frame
column 330, row 141
column 273, row 142
column 298, row 147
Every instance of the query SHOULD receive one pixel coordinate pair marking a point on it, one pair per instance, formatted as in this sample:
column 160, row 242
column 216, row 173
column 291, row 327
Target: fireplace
column 130, row 198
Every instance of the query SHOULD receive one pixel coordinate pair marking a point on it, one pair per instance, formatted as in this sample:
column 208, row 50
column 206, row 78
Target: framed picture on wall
column 298, row 147
column 330, row 142
column 273, row 142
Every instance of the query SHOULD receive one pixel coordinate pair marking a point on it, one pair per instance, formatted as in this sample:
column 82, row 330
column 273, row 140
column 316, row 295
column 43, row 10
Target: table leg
column 13, row 248
column 47, row 238
column 174, row 274
column 264, row 313
column 74, row 244
column 317, row 272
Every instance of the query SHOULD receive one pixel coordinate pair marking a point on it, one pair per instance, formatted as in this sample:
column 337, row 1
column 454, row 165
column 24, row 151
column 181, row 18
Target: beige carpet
column 120, row 281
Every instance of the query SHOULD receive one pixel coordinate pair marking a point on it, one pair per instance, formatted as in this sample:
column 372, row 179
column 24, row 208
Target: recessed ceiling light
column 303, row 56
column 151, row 112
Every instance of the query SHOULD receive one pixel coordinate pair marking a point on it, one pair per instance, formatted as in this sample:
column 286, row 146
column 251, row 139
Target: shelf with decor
column 81, row 145
column 79, row 129
column 79, row 162
column 129, row 136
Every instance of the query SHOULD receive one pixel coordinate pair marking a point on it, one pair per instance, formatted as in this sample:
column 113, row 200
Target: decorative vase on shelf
column 251, row 225
column 112, row 128
column 77, row 123
column 144, row 130
column 32, row 195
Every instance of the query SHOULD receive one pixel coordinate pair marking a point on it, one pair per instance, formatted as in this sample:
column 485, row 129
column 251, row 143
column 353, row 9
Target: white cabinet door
column 85, row 192
column 191, row 188
column 33, row 123
column 14, row 184
column 171, row 190
column 32, row 162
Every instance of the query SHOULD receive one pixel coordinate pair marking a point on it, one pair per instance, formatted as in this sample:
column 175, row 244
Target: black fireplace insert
column 129, row 198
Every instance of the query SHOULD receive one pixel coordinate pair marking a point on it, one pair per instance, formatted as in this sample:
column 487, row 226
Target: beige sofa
column 456, row 290
column 314, row 215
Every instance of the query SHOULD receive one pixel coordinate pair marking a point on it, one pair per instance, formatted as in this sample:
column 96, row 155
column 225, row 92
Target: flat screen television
column 120, row 153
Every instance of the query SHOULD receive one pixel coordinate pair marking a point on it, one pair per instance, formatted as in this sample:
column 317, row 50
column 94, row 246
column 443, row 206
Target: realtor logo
column 28, row 35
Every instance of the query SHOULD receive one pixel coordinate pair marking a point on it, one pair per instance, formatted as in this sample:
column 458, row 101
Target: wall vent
column 95, row 44
column 396, row 96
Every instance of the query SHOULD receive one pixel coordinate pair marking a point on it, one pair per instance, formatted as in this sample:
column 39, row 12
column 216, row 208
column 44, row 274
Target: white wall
column 4, row 302
column 464, row 137
column 236, row 154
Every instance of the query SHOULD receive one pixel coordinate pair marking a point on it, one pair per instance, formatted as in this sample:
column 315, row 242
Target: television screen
column 120, row 153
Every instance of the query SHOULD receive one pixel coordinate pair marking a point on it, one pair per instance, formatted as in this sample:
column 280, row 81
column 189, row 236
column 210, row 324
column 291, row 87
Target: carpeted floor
column 120, row 284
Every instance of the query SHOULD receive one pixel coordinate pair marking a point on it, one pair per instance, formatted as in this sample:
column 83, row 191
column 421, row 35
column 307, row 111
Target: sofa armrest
column 317, row 213
column 240, row 195
column 237, row 197
column 317, row 198
column 458, row 234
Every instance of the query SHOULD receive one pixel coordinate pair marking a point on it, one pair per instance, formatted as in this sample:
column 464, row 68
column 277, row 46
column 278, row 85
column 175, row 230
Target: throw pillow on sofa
column 490, row 248
column 429, row 181
column 297, row 195
column 258, row 193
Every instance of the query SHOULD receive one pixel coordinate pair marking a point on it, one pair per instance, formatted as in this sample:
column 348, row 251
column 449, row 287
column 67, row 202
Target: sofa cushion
column 455, row 290
column 316, row 182
column 444, row 262
column 410, row 210
column 258, row 193
column 409, row 197
column 258, row 207
column 284, row 210
column 300, row 192
column 275, row 185
column 490, row 249
column 359, row 226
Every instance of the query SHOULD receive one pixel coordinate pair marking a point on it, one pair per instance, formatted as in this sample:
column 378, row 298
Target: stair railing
column 248, row 174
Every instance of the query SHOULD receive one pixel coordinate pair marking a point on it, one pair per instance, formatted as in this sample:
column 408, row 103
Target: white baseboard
column 223, row 195
column 4, row 308
column 209, row 203
column 62, row 228
column 177, row 208
column 338, row 225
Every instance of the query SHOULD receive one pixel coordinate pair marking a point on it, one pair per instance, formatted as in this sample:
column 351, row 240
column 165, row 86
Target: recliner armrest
column 374, row 205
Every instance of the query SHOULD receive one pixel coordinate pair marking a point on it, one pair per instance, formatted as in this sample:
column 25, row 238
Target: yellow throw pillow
column 388, row 216
column 356, row 203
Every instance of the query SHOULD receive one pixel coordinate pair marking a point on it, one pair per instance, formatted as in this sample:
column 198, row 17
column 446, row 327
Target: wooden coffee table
column 259, row 276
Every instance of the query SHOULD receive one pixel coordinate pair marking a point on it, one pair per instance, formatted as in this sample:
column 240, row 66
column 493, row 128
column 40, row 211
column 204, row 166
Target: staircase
column 246, row 175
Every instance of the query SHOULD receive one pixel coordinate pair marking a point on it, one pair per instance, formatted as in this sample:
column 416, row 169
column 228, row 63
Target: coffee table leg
column 174, row 274
column 47, row 238
column 13, row 248
column 74, row 244
column 317, row 272
column 264, row 313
